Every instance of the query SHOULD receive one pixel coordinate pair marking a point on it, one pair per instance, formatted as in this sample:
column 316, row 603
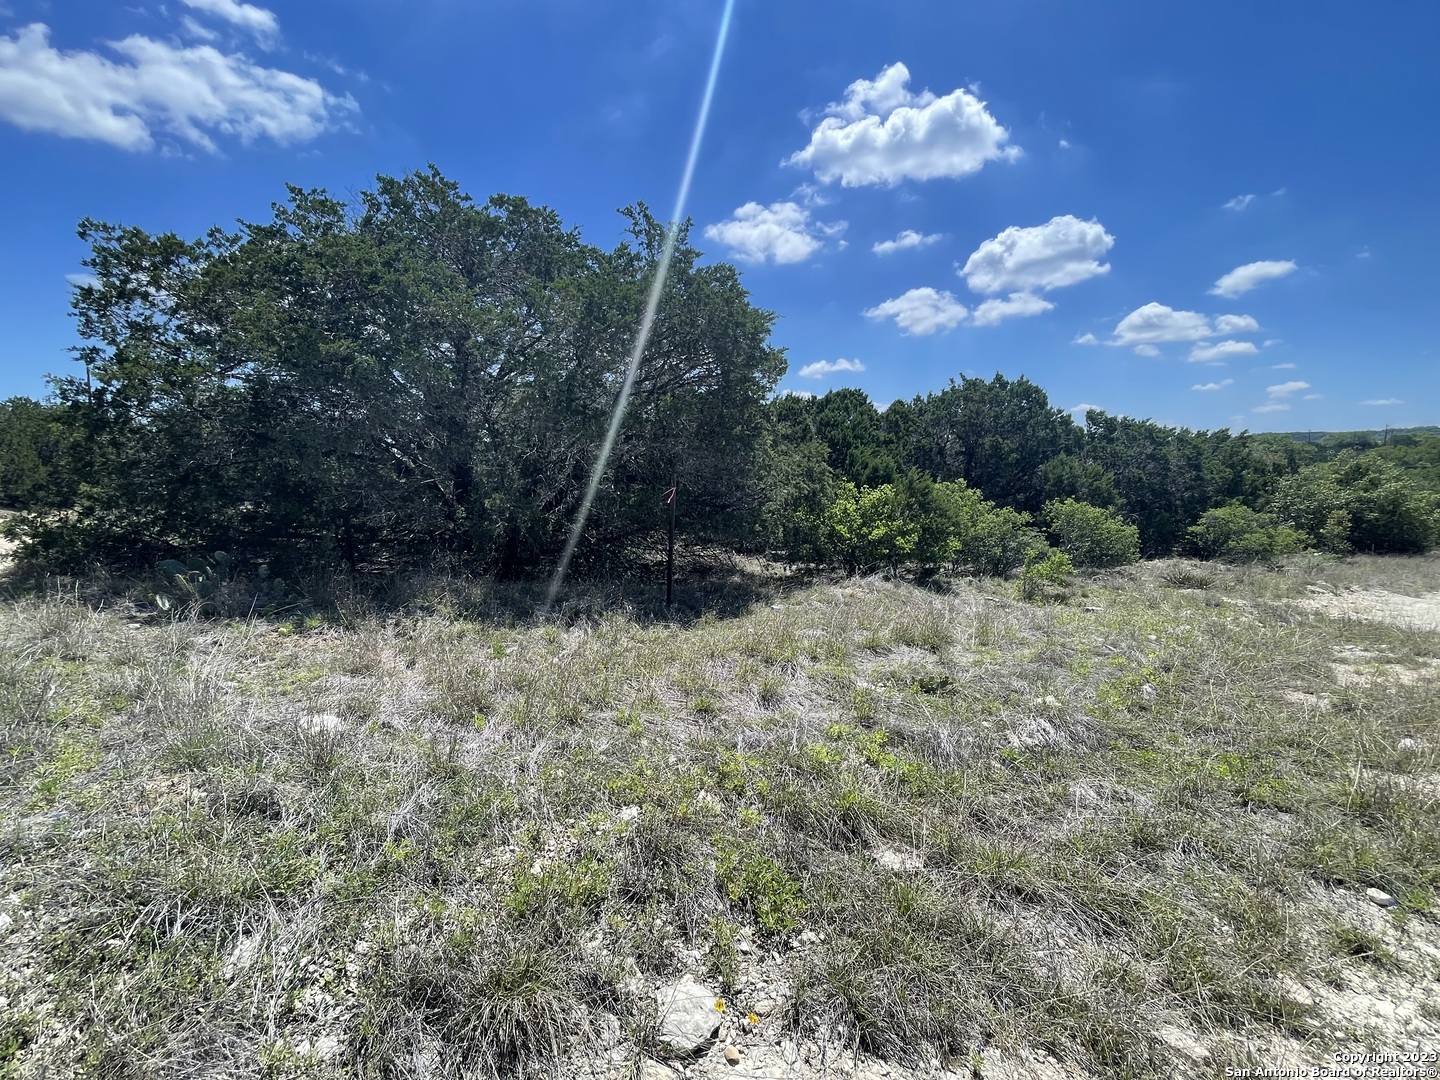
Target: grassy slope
column 1116, row 833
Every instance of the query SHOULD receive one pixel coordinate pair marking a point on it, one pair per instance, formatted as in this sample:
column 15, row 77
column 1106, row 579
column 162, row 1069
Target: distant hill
column 1377, row 435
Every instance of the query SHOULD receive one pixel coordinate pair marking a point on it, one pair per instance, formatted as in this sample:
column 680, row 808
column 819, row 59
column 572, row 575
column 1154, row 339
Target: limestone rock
column 688, row 1016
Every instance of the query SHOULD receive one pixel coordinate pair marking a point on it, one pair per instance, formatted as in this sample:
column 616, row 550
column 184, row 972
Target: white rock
column 629, row 813
column 688, row 1016
column 323, row 722
column 1407, row 743
column 1381, row 898
column 897, row 859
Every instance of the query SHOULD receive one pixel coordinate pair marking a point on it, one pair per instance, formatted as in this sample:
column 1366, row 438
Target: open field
column 895, row 831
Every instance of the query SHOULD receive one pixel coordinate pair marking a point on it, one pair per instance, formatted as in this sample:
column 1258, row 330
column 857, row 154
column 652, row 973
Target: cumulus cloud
column 1236, row 324
column 1063, row 251
column 1244, row 278
column 1157, row 323
column 1286, row 389
column 1239, row 202
column 1213, row 385
column 1272, row 406
column 257, row 20
column 1019, row 305
column 1146, row 350
column 82, row 281
column 921, row 311
column 1221, row 351
column 821, row 368
column 1083, row 407
column 187, row 93
column 1382, row 401
column 1281, row 367
column 882, row 133
column 1086, row 339
column 781, row 232
column 906, row 240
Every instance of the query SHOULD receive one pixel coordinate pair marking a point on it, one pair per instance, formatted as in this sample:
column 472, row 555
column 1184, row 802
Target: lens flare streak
column 652, row 305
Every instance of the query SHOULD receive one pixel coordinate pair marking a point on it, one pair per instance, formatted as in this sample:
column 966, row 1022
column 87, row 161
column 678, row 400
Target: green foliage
column 763, row 887
column 1043, row 572
column 32, row 440
column 1235, row 533
column 865, row 528
column 1092, row 536
column 1359, row 501
column 923, row 523
column 406, row 377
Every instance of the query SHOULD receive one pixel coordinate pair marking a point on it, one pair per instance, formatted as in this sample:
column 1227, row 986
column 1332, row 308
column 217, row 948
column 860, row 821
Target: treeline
column 413, row 379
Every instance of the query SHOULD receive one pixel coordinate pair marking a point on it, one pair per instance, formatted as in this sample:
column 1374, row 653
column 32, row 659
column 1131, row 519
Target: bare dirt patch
column 1376, row 605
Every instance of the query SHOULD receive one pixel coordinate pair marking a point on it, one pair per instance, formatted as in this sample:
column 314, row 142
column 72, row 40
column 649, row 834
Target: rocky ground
column 1182, row 818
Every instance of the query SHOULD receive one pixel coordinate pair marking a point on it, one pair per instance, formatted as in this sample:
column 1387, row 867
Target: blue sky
column 1234, row 201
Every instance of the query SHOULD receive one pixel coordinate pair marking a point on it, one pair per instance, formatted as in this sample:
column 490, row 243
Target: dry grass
column 441, row 836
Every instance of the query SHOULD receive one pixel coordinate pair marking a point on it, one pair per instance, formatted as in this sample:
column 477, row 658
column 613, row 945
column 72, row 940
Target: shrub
column 864, row 528
column 1041, row 570
column 1236, row 533
column 1359, row 501
column 1092, row 536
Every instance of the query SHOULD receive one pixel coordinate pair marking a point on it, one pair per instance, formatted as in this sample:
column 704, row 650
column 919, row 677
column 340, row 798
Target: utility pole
column 672, row 497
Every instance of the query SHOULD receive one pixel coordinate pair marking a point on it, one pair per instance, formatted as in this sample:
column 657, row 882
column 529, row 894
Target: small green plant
column 1181, row 577
column 194, row 581
column 1044, row 573
column 761, row 885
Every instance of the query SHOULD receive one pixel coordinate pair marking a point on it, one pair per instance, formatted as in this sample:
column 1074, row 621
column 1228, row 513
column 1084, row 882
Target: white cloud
column 259, row 21
column 1273, row 406
column 1236, row 324
column 196, row 30
column 1213, row 385
column 1272, row 341
column 1157, row 323
column 1019, row 305
column 1221, row 351
column 1086, row 339
column 1146, row 350
column 1312, row 397
column 1244, row 278
column 1363, row 253
column 1382, row 401
column 921, row 311
column 810, row 195
column 781, row 232
column 1286, row 389
column 1239, row 202
column 81, row 281
column 821, row 368
column 1081, row 408
column 1064, row 144
column 906, row 240
column 883, row 134
column 1281, row 367
column 186, row 93
column 1063, row 251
